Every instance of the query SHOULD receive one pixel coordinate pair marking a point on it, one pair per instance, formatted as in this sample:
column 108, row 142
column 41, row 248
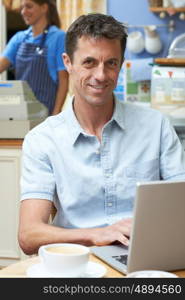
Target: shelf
column 165, row 9
column 170, row 61
column 11, row 142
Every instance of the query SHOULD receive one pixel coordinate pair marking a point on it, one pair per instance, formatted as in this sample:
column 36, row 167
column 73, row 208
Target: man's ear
column 67, row 62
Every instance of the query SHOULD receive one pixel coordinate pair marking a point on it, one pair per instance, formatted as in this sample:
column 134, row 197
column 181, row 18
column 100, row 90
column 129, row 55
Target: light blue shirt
column 94, row 184
column 55, row 42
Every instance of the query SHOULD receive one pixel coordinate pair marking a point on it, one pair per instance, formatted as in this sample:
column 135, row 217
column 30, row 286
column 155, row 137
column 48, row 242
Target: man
column 87, row 159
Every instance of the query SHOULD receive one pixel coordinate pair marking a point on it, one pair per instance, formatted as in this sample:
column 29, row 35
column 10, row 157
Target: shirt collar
column 74, row 126
column 51, row 29
column 118, row 114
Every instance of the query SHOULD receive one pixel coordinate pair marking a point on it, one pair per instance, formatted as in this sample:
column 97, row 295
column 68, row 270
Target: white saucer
column 94, row 270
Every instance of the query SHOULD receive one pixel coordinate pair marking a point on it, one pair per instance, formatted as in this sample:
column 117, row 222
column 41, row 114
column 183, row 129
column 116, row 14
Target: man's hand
column 119, row 231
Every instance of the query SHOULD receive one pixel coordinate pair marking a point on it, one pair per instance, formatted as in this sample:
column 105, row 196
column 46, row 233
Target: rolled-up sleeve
column 172, row 156
column 37, row 178
column 11, row 48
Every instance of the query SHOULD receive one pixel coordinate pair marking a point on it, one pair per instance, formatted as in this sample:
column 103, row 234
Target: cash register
column 20, row 110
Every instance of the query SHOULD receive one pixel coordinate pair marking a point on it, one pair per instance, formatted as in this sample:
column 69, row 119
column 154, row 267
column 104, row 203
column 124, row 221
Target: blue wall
column 136, row 12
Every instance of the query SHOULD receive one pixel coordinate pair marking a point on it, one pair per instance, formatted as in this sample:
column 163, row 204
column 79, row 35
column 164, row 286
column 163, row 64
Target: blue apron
column 31, row 65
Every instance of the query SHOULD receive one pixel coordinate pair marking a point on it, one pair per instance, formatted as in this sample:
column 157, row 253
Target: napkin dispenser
column 168, row 92
column 168, row 95
column 168, row 88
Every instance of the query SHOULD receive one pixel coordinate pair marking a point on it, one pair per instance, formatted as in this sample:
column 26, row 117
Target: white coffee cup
column 64, row 260
column 151, row 274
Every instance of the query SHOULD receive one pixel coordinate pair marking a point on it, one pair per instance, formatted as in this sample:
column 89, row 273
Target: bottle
column 153, row 43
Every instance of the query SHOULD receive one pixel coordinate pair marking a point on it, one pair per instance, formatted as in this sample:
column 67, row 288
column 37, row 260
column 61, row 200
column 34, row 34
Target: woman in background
column 36, row 54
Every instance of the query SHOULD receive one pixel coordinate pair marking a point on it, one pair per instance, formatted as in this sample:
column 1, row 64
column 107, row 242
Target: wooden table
column 18, row 270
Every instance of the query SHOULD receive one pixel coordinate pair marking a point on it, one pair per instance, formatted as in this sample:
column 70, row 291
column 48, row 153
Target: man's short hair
column 96, row 26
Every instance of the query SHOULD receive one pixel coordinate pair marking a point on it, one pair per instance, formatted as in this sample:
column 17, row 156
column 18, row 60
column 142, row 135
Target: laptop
column 157, row 240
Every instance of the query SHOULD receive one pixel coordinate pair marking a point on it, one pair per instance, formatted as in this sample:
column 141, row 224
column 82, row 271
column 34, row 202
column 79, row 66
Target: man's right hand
column 119, row 231
column 35, row 231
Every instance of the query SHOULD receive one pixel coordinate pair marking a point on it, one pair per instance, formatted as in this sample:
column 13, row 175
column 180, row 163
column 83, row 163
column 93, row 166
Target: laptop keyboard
column 121, row 258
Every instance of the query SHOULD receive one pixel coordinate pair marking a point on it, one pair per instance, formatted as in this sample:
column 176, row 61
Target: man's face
column 94, row 70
